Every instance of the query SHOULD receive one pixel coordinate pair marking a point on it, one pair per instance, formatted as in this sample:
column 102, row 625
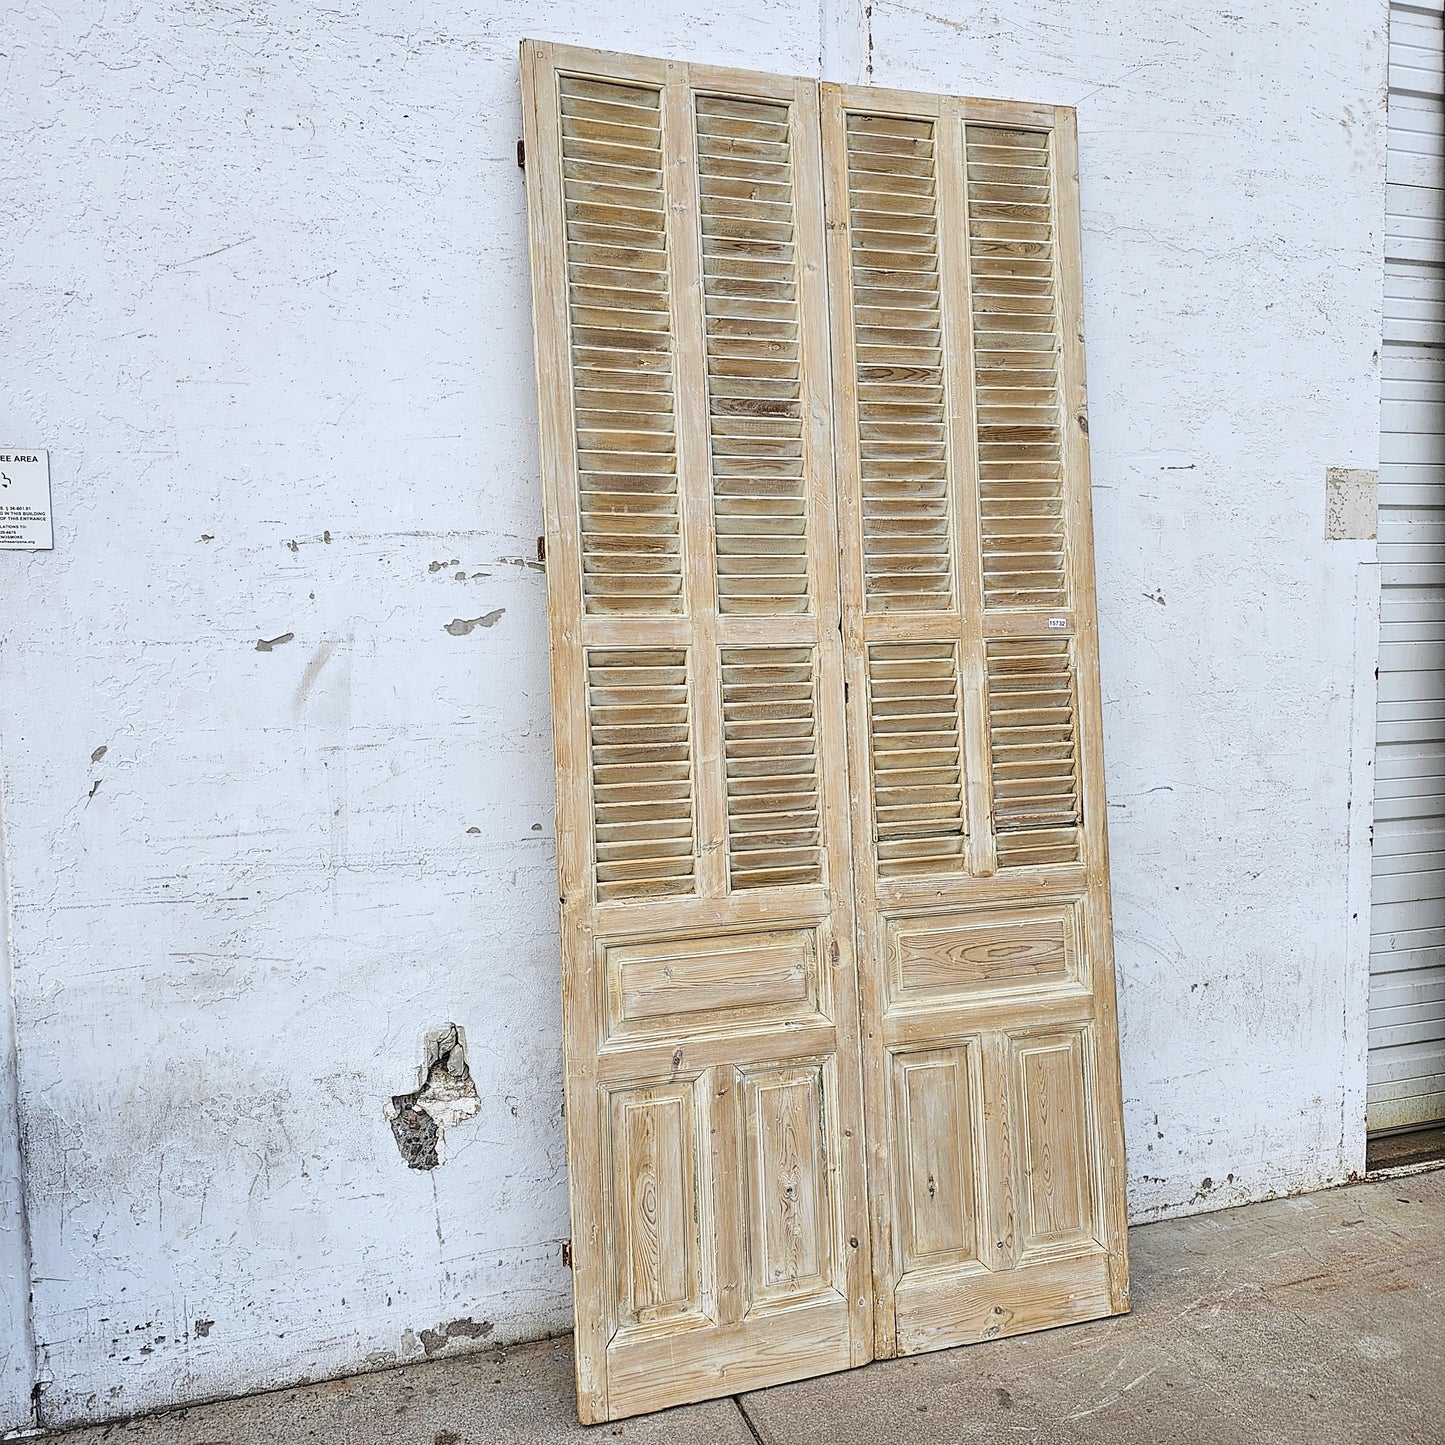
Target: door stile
column 1112, row 1179
column 580, row 995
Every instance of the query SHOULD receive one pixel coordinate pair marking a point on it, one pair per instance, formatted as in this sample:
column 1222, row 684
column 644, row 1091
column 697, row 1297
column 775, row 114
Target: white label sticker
column 1058, row 623
column 25, row 524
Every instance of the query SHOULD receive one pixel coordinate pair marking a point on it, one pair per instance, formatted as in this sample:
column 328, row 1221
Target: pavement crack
column 749, row 1421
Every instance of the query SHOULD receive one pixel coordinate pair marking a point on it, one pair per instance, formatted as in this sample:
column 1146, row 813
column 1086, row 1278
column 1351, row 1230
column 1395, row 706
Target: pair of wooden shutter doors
column 841, row 1053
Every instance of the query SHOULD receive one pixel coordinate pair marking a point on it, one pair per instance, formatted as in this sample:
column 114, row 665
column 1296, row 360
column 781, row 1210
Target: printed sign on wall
column 25, row 523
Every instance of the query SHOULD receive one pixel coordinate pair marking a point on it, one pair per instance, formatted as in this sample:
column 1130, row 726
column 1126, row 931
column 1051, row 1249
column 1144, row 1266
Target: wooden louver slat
column 754, row 356
column 899, row 365
column 621, row 339
column 771, row 747
column 916, row 735
column 1033, row 750
column 1016, row 366
column 641, row 734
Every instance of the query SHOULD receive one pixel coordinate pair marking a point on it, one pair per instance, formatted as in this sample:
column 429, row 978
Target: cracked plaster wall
column 274, row 749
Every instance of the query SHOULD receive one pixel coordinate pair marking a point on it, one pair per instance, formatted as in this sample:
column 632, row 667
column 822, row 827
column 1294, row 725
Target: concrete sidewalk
column 1318, row 1319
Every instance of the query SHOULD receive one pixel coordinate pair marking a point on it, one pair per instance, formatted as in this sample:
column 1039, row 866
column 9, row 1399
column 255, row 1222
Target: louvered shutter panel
column 985, row 960
column 714, row 1113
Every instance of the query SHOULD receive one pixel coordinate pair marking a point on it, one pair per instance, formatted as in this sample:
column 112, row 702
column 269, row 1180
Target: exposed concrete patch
column 433, row 1342
column 447, row 1096
column 265, row 644
column 461, row 626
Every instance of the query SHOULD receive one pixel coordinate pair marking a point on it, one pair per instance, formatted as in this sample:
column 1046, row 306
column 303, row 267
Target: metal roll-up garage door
column 1407, row 965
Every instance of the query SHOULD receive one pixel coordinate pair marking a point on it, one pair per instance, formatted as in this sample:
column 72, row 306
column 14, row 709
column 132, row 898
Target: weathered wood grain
column 972, row 655
column 714, row 1110
column 825, row 685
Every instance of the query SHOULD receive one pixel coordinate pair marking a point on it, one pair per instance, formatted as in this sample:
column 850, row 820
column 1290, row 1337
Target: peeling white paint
column 268, row 282
column 1352, row 504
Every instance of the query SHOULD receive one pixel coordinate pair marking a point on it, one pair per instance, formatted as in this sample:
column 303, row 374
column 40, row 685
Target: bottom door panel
column 937, row 1098
column 726, row 1224
column 732, row 1223
column 997, row 1222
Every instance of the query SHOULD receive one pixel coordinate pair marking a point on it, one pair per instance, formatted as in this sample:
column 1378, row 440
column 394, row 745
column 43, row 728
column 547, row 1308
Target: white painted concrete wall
column 266, row 302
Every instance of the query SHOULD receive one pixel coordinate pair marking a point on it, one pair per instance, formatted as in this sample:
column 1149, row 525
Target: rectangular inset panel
column 1016, row 367
column 620, row 328
column 936, row 1094
column 789, row 1211
column 939, row 955
column 655, row 1205
column 641, row 737
column 1033, row 741
column 908, row 562
column 771, row 747
column 724, row 981
column 916, row 737
column 755, row 414
column 1055, row 1148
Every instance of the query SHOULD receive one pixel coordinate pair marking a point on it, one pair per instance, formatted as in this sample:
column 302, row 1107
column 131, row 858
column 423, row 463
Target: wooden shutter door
column 713, row 1098
column 991, row 1052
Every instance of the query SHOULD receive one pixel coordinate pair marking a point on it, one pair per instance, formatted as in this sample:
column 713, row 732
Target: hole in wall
column 447, row 1096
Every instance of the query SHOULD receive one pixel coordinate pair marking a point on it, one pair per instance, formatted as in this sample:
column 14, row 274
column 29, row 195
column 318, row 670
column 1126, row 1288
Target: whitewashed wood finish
column 721, row 376
column 991, row 1055
column 714, row 1110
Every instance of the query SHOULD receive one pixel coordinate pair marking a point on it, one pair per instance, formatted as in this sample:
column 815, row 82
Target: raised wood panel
column 674, row 987
column 790, row 1206
column 938, row 1106
column 1056, row 1143
column 656, row 1201
column 959, row 954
